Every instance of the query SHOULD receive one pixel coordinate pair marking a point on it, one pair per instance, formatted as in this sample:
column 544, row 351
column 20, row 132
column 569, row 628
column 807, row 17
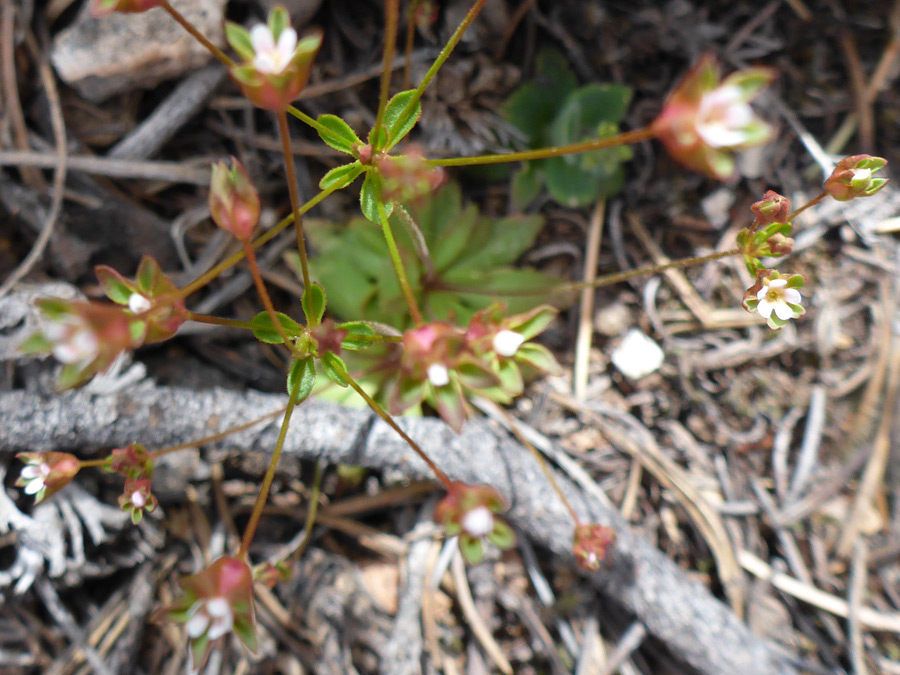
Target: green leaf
column 301, row 378
column 239, row 39
column 508, row 239
column 36, row 344
column 400, row 117
column 341, row 176
column 337, row 133
column 357, row 332
column 265, row 331
column 147, row 273
column 532, row 106
column 113, row 284
column 370, row 196
column 471, row 548
column 526, row 186
column 335, row 369
column 314, row 302
column 503, row 536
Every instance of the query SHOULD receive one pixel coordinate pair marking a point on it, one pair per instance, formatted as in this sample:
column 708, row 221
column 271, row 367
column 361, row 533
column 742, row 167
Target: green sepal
column 337, row 133
column 137, row 330
column 36, row 344
column 471, row 548
column 113, row 284
column 335, row 369
column 502, row 536
column 239, row 39
column 137, row 515
column 400, row 117
column 278, row 21
column 341, row 176
column 301, row 378
column 147, row 273
column 357, row 331
column 71, row 375
column 264, row 330
column 535, row 322
column 538, row 357
column 314, row 302
column 245, row 630
column 53, row 308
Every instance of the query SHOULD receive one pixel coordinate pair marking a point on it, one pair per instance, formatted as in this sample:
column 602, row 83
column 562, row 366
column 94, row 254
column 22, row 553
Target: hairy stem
column 624, row 138
column 263, row 496
column 391, row 19
column 399, row 270
column 295, row 203
column 230, row 262
column 219, row 321
column 382, row 413
column 215, row 437
column 264, row 295
column 441, row 59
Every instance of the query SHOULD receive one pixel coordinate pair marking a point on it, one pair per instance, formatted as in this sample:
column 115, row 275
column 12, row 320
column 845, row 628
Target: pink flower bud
column 138, row 498
column 772, row 208
column 591, row 545
column 233, row 201
column 103, row 7
column 853, row 177
column 132, row 461
column 407, row 177
column 45, row 473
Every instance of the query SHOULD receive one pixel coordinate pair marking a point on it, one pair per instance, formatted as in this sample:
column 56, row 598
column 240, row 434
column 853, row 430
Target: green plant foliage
column 472, row 257
column 552, row 110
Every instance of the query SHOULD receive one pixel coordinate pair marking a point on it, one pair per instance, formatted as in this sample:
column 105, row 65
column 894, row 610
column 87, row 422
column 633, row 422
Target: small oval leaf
column 369, row 196
column 335, row 369
column 301, row 379
column 401, row 115
column 357, row 334
column 313, row 302
column 337, row 133
column 264, row 329
column 341, row 176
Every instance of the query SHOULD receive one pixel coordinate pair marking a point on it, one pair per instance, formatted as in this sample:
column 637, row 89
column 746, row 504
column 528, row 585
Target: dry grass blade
column 586, row 306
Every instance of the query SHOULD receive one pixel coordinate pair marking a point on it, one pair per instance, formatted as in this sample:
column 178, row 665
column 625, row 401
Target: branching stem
column 398, row 266
column 264, row 295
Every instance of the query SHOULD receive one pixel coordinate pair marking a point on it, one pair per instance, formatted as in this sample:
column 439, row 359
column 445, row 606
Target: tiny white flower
column 138, row 304
column 271, row 57
column 197, row 624
column 213, row 617
column 478, row 522
column 138, row 500
column 74, row 340
column 774, row 297
column 438, row 375
column 35, row 475
column 507, row 342
column 723, row 116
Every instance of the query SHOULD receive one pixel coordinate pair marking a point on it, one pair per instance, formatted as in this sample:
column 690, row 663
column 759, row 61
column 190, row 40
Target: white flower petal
column 221, row 626
column 862, row 174
column 197, row 624
column 264, row 63
column 765, row 308
column 261, row 38
column 138, row 304
column 776, row 283
column 31, row 471
column 218, row 607
column 783, row 311
column 438, row 375
column 34, row 487
column 478, row 522
column 507, row 342
column 138, row 500
column 762, row 293
column 287, row 42
column 792, row 295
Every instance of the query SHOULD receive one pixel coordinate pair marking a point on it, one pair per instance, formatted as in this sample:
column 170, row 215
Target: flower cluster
column 45, row 473
column 470, row 512
column 703, row 119
column 136, row 465
column 276, row 64
column 215, row 602
column 442, row 363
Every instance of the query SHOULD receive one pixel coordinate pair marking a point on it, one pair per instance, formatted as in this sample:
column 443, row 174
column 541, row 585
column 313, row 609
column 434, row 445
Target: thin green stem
column 399, row 270
column 410, row 41
column 219, row 321
column 295, row 203
column 391, row 19
column 382, row 413
column 310, row 512
column 624, row 138
column 196, row 34
column 263, row 496
column 306, row 119
column 233, row 260
column 215, row 437
column 264, row 295
column 441, row 59
column 88, row 463
column 812, row 202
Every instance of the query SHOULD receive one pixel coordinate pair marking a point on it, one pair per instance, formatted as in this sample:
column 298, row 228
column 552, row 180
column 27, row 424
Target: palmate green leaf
column 337, row 133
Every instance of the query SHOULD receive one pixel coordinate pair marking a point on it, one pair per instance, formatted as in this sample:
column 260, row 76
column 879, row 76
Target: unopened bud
column 233, row 201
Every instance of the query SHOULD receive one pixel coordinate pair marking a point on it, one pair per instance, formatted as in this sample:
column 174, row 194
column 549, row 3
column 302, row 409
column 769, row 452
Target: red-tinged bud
column 276, row 64
column 138, row 498
column 772, row 208
column 233, row 201
column 703, row 119
column 854, row 177
column 104, row 7
column 365, row 153
column 271, row 575
column 592, row 544
column 132, row 461
column 470, row 512
column 424, row 13
column 328, row 337
column 407, row 177
column 215, row 602
column 45, row 473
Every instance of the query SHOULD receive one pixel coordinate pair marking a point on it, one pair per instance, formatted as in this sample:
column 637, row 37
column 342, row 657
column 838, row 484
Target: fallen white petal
column 637, row 356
